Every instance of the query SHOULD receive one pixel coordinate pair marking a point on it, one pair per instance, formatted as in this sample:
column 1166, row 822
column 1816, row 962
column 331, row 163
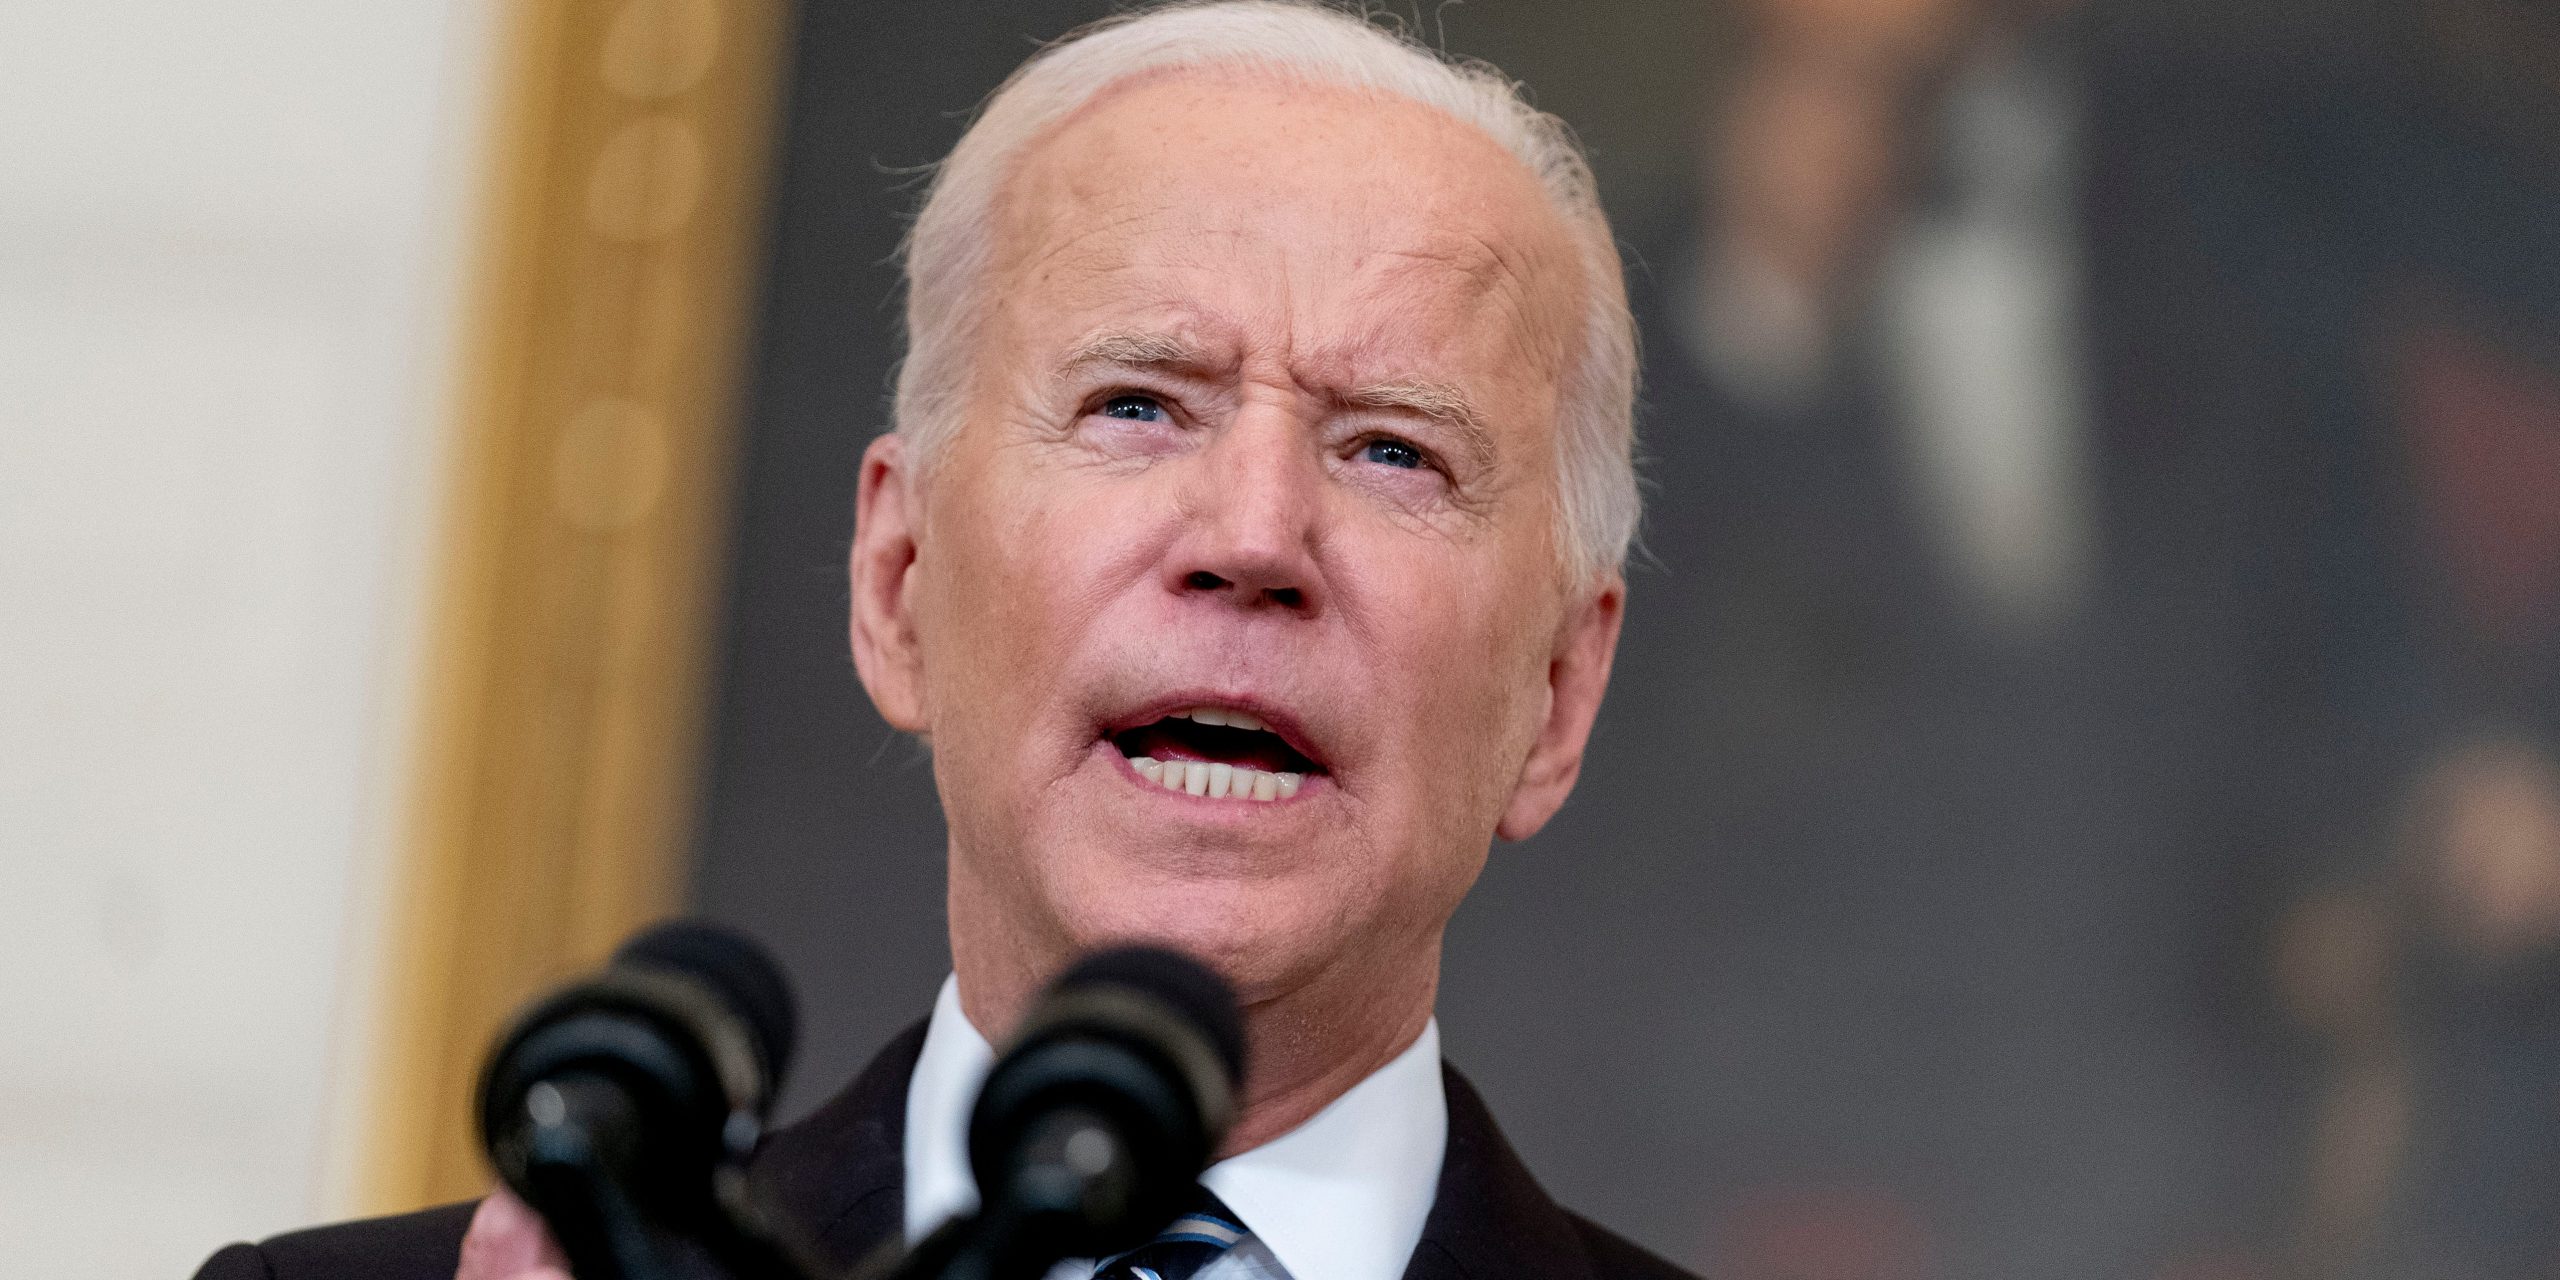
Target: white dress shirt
column 1341, row 1197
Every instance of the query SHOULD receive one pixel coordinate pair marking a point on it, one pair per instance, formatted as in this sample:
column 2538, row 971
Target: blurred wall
column 229, row 250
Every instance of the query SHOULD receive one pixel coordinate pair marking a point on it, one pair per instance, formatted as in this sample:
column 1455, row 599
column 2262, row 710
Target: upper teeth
column 1220, row 715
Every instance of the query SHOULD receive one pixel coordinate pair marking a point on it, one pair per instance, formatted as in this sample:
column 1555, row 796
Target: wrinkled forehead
column 1229, row 182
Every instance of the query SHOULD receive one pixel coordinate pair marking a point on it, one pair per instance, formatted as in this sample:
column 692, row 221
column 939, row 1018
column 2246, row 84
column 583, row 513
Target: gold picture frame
column 590, row 465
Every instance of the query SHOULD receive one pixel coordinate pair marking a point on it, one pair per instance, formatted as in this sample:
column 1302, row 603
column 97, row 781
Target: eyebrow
column 1440, row 402
column 1134, row 350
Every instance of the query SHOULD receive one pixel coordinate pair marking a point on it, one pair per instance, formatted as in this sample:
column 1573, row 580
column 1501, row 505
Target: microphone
column 627, row 1103
column 1092, row 1129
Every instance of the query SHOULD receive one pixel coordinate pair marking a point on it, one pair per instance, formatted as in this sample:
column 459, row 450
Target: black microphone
column 1091, row 1130
column 623, row 1106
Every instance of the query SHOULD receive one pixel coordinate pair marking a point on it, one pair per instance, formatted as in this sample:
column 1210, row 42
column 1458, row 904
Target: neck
column 1306, row 1042
column 1310, row 1044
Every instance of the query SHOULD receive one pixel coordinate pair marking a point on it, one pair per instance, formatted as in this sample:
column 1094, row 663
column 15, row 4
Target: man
column 1248, row 552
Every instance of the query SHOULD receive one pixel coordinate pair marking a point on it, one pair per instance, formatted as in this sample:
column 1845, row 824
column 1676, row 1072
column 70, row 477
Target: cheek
column 1018, row 569
column 1474, row 664
column 983, row 620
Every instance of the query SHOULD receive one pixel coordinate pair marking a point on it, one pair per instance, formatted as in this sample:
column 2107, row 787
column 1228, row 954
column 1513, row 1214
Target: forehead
column 1353, row 221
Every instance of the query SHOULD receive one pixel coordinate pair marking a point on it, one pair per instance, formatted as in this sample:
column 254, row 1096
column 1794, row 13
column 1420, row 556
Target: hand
column 507, row 1241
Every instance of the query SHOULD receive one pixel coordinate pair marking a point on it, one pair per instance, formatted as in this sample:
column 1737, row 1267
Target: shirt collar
column 1341, row 1197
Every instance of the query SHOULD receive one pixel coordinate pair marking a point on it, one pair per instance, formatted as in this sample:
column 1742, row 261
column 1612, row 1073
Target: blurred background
column 2081, row 795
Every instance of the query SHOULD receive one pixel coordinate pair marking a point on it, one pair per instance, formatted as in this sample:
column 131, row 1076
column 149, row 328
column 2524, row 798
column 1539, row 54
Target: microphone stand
column 1075, row 1170
column 572, row 1184
column 576, row 1172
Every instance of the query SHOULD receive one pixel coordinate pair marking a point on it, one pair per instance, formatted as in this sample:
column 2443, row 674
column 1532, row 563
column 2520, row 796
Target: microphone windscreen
column 1190, row 988
column 737, row 970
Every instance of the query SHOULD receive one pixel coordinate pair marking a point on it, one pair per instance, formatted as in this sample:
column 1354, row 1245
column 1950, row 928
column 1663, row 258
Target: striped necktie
column 1181, row 1250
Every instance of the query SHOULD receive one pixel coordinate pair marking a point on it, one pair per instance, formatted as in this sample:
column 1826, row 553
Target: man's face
column 1261, row 432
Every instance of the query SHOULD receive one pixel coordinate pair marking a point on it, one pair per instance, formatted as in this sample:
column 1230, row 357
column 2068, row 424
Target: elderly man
column 1247, row 550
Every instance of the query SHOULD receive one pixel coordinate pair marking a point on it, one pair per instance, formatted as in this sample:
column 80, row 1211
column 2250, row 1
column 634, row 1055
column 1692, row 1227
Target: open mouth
column 1217, row 752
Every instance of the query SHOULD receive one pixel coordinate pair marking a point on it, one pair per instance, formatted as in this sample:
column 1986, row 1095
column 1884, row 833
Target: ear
column 885, row 652
column 1577, row 675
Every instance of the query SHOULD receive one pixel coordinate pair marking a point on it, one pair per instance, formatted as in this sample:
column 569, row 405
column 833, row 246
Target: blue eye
column 1134, row 408
column 1392, row 453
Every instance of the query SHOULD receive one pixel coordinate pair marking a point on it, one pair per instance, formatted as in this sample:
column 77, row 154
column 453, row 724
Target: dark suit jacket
column 839, row 1176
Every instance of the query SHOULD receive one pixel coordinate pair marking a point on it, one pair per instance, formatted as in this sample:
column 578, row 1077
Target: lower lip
column 1308, row 785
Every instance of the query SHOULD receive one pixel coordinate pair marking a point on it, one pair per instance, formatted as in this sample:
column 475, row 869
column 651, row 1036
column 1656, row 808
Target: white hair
column 947, row 249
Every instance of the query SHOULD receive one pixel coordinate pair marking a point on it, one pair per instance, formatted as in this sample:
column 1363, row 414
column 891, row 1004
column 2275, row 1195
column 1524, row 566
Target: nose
column 1251, row 517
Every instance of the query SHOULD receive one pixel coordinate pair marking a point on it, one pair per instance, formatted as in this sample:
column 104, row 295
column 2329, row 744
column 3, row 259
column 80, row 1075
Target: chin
column 1257, row 934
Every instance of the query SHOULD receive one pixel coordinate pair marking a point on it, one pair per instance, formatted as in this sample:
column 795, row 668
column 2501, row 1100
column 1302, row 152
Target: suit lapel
column 836, row 1181
column 1491, row 1220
